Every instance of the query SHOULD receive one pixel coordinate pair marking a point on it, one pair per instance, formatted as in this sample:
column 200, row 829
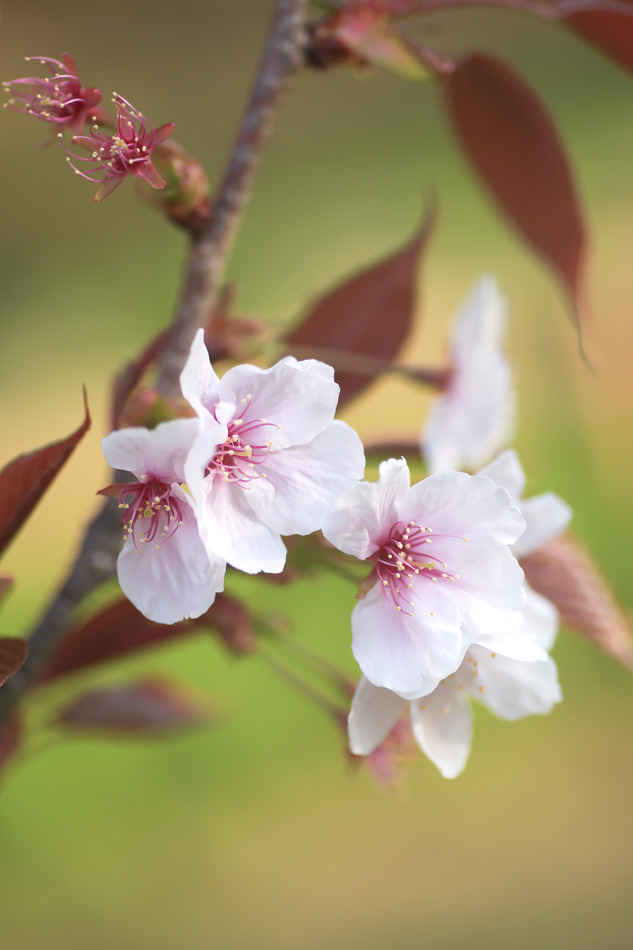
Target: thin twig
column 96, row 561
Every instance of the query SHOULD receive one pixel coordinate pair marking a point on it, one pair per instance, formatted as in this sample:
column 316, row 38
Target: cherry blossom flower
column 442, row 720
column 474, row 417
column 59, row 98
column 163, row 567
column 127, row 152
column 283, row 463
column 442, row 572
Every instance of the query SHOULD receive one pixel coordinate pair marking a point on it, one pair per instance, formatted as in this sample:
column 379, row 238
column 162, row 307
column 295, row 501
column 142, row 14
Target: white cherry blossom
column 442, row 572
column 283, row 462
column 442, row 720
column 163, row 568
column 474, row 417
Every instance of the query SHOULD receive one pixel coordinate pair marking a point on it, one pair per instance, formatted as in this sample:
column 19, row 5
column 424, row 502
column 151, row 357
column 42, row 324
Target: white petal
column 490, row 593
column 481, row 320
column 442, row 727
column 513, row 645
column 176, row 581
column 408, row 655
column 365, row 512
column 299, row 397
column 373, row 715
column 540, row 619
column 305, row 482
column 198, row 381
column 161, row 452
column 546, row 516
column 463, row 506
column 506, row 471
column 512, row 689
column 231, row 530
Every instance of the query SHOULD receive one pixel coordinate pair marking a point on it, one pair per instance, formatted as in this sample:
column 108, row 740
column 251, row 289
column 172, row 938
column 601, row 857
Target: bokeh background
column 256, row 832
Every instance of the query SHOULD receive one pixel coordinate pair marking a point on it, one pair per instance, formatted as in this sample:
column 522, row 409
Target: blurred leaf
column 513, row 144
column 120, row 629
column 13, row 653
column 24, row 480
column 609, row 28
column 10, row 736
column 6, row 583
column 564, row 572
column 148, row 706
column 360, row 326
column 393, row 449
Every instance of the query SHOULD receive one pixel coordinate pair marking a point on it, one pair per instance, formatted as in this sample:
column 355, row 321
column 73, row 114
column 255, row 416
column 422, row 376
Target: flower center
column 240, row 458
column 404, row 557
column 151, row 512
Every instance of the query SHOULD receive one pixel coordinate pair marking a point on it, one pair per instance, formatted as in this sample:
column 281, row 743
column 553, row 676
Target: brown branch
column 96, row 561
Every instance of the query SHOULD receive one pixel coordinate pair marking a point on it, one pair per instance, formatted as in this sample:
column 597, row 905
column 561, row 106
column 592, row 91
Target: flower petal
column 178, row 580
column 546, row 516
column 506, row 471
column 373, row 715
column 408, row 655
column 540, row 619
column 161, row 452
column 299, row 397
column 198, row 381
column 304, row 482
column 490, row 592
column 512, row 689
column 442, row 727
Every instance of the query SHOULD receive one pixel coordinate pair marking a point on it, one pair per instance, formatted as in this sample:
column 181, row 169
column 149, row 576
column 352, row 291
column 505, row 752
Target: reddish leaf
column 565, row 573
column 513, row 144
column 10, row 736
column 120, row 629
column 131, row 375
column 6, row 583
column 389, row 449
column 360, row 326
column 610, row 29
column 147, row 706
column 12, row 655
column 24, row 480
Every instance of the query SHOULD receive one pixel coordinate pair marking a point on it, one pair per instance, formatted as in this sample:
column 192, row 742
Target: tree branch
column 96, row 561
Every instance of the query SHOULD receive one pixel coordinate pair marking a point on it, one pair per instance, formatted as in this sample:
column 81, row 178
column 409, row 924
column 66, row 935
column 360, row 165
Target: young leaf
column 24, row 480
column 564, row 572
column 149, row 706
column 12, row 655
column 360, row 326
column 610, row 28
column 513, row 145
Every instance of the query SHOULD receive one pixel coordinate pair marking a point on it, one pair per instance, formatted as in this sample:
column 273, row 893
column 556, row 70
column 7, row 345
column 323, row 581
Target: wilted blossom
column 442, row 572
column 442, row 720
column 474, row 417
column 59, row 98
column 163, row 567
column 128, row 151
column 282, row 462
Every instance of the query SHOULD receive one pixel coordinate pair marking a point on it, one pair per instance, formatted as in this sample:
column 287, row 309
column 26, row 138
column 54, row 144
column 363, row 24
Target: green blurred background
column 256, row 832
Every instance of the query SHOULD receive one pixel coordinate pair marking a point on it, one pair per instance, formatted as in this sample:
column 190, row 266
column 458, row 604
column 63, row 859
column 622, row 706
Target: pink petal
column 373, row 715
column 442, row 727
column 149, row 174
column 161, row 452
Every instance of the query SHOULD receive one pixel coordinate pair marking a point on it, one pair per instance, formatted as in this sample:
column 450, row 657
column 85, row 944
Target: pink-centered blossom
column 442, row 720
column 163, row 568
column 128, row 151
column 474, row 416
column 59, row 98
column 442, row 573
column 284, row 460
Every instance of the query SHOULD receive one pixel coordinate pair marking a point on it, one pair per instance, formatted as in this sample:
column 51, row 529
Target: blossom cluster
column 444, row 613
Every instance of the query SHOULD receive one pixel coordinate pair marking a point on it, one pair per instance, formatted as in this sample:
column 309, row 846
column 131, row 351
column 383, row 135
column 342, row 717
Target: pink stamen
column 403, row 558
column 151, row 504
column 245, row 450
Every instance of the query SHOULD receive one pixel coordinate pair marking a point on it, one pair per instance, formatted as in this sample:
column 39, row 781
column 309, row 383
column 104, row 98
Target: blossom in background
column 59, row 98
column 442, row 573
column 128, row 151
column 163, row 567
column 474, row 417
column 442, row 720
column 282, row 464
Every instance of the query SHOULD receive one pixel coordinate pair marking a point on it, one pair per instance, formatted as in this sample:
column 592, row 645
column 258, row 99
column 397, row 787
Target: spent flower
column 59, row 98
column 128, row 151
